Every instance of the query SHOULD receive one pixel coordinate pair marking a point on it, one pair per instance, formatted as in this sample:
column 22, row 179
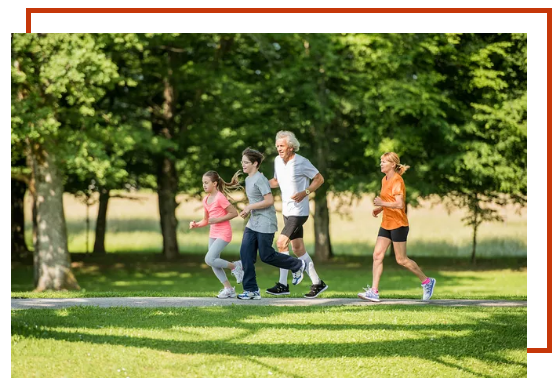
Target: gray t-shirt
column 261, row 220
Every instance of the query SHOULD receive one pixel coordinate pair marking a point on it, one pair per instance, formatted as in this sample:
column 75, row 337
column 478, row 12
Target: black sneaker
column 316, row 290
column 278, row 289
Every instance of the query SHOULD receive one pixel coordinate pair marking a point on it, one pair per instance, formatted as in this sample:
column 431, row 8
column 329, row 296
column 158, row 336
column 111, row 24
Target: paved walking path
column 59, row 303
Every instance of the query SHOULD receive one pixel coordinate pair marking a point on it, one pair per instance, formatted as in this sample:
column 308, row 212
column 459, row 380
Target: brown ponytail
column 225, row 187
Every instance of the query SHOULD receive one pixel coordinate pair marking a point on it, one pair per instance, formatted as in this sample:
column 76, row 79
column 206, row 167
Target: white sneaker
column 238, row 272
column 428, row 289
column 298, row 276
column 369, row 295
column 227, row 293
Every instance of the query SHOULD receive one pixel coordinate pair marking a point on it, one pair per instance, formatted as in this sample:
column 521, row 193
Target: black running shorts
column 396, row 235
column 293, row 227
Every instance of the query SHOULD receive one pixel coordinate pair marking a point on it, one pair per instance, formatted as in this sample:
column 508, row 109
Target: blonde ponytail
column 394, row 158
column 401, row 168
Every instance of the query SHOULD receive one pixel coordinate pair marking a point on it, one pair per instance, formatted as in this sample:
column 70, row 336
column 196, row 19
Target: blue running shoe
column 428, row 289
column 369, row 295
column 249, row 295
column 298, row 276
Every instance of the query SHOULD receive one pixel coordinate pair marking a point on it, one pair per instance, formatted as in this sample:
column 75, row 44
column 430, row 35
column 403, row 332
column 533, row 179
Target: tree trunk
column 18, row 222
column 323, row 250
column 167, row 177
column 51, row 246
column 473, row 259
column 87, row 226
column 167, row 189
column 100, row 228
column 475, row 224
column 33, row 193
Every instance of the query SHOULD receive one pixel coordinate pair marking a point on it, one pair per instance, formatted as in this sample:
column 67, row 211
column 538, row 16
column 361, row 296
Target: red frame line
column 548, row 349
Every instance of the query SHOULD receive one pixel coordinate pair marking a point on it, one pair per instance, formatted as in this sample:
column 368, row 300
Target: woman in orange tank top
column 394, row 227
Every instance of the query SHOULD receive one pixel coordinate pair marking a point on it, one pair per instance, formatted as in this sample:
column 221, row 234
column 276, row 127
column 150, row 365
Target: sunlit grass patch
column 394, row 341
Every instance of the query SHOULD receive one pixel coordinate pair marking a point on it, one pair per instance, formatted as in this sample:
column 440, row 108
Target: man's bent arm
column 316, row 182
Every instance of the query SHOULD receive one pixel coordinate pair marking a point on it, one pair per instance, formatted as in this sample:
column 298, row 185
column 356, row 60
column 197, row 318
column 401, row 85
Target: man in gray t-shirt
column 260, row 230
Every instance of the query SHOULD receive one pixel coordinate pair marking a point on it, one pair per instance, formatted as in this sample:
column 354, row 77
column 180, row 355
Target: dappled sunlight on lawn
column 443, row 342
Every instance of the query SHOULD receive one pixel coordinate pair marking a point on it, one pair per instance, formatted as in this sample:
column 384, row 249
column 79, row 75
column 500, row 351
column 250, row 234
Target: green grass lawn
column 245, row 341
column 137, row 275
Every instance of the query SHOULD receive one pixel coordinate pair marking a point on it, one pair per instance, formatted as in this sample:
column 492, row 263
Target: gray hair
column 290, row 139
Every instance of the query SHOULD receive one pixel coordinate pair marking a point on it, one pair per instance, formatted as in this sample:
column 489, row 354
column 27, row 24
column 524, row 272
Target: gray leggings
column 216, row 246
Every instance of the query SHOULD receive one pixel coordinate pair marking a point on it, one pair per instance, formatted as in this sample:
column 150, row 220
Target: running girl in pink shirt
column 218, row 213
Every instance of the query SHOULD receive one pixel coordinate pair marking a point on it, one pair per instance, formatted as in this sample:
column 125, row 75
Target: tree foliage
column 117, row 111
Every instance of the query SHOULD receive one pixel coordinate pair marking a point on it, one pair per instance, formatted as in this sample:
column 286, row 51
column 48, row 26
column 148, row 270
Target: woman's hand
column 212, row 221
column 193, row 225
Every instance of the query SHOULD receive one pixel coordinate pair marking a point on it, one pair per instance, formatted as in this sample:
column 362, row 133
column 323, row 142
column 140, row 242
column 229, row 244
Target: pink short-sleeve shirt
column 217, row 209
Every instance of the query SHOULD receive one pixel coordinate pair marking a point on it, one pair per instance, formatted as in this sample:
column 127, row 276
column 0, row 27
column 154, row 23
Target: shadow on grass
column 484, row 338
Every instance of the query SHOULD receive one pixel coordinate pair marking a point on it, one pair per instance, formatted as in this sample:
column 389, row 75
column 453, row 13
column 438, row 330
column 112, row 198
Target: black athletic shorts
column 399, row 234
column 293, row 227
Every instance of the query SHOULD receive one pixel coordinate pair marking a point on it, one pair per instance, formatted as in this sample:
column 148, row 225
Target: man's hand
column 377, row 211
column 298, row 197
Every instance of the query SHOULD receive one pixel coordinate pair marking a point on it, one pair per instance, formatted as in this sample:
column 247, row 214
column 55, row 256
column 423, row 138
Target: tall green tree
column 489, row 169
column 196, row 90
column 122, row 132
column 454, row 107
column 56, row 80
column 175, row 88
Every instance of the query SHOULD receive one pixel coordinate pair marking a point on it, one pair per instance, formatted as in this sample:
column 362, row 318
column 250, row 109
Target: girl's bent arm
column 205, row 221
column 231, row 213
